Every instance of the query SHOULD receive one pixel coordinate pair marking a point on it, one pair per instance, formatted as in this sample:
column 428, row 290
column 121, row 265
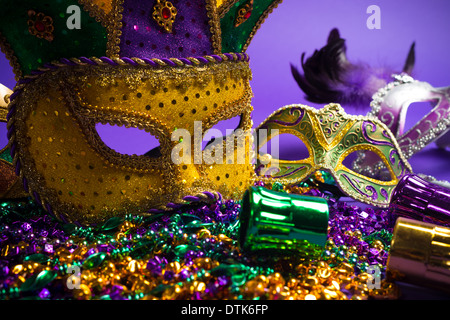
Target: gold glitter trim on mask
column 261, row 20
column 225, row 6
column 100, row 13
column 214, row 23
column 3, row 113
column 100, row 7
column 114, row 29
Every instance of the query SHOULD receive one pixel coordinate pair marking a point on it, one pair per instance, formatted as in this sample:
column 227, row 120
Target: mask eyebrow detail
column 365, row 126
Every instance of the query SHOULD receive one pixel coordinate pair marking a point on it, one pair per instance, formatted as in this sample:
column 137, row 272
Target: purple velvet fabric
column 143, row 38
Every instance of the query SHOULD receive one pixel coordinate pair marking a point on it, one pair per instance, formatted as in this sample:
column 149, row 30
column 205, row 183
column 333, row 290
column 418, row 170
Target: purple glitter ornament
column 44, row 294
column 48, row 248
column 4, row 269
column 155, row 265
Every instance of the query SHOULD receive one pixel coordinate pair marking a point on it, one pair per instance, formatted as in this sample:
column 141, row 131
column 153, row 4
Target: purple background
column 303, row 26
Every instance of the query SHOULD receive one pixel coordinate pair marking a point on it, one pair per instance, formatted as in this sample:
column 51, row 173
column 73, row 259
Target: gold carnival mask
column 153, row 65
column 330, row 136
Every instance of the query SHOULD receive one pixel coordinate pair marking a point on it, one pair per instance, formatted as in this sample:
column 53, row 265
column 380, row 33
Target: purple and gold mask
column 153, row 65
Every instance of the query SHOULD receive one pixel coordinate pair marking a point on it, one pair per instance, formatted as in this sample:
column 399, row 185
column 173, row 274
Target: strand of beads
column 189, row 254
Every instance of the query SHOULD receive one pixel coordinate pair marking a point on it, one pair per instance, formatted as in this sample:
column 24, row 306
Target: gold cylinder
column 420, row 254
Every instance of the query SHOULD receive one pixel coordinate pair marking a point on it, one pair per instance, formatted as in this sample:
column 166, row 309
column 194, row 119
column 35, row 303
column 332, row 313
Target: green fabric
column 234, row 38
column 32, row 52
column 5, row 155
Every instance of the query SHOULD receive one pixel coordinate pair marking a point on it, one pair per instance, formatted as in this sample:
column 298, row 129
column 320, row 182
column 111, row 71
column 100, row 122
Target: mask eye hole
column 129, row 141
column 220, row 129
column 416, row 112
column 369, row 164
column 285, row 146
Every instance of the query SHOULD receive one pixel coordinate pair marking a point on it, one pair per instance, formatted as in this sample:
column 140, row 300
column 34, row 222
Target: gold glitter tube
column 420, row 254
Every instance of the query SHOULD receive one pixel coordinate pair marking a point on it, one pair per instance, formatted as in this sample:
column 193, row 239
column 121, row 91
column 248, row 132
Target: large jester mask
column 156, row 65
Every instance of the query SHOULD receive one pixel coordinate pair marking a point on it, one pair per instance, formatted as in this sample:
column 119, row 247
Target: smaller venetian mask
column 330, row 136
column 390, row 105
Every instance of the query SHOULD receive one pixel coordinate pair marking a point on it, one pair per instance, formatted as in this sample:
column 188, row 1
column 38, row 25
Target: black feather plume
column 328, row 76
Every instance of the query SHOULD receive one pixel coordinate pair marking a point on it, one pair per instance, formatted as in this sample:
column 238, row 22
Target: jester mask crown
column 156, row 65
